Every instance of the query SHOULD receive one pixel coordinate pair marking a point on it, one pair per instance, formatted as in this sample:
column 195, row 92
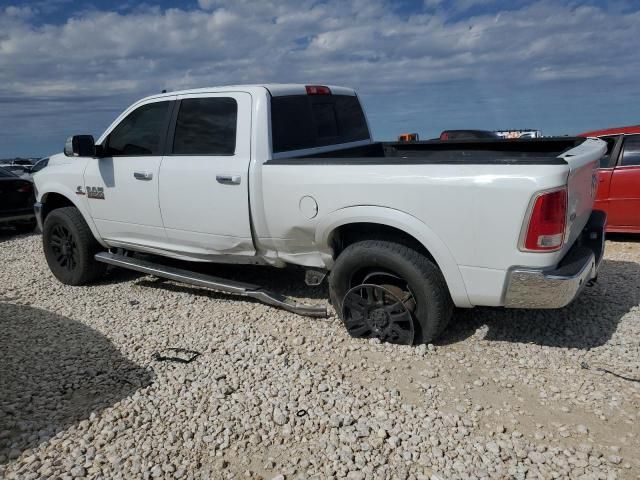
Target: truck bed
column 466, row 200
column 484, row 152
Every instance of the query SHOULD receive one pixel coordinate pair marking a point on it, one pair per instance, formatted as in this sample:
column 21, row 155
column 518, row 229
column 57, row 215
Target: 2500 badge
column 92, row 192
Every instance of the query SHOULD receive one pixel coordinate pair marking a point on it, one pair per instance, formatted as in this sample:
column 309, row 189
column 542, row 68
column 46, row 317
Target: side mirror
column 80, row 146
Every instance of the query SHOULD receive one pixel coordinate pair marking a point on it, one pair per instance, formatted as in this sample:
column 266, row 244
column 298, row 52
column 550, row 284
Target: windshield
column 4, row 173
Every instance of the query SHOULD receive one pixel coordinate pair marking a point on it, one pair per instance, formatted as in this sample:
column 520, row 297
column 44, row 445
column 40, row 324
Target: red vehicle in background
column 619, row 178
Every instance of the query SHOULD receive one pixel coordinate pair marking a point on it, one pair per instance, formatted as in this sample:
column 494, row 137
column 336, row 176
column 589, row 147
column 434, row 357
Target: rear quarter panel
column 475, row 211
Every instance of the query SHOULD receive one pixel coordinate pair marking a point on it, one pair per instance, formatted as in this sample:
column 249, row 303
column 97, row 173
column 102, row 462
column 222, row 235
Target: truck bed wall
column 466, row 202
column 474, row 211
column 531, row 151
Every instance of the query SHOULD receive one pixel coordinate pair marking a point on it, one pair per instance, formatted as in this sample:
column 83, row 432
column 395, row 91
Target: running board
column 214, row 283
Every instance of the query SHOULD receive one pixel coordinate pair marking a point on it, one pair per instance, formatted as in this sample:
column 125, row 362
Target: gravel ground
column 505, row 394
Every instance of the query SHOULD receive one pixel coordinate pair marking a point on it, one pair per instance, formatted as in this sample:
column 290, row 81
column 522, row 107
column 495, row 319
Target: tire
column 432, row 306
column 69, row 247
column 27, row 226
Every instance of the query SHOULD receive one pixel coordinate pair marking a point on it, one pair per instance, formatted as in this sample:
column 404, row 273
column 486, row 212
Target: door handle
column 228, row 179
column 143, row 175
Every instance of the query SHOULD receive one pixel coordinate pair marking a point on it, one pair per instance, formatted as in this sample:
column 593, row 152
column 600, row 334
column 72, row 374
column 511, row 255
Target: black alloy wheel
column 69, row 247
column 384, row 289
column 379, row 305
column 64, row 247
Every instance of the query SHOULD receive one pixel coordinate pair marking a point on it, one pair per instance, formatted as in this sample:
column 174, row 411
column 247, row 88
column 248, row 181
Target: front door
column 122, row 186
column 624, row 191
column 204, row 176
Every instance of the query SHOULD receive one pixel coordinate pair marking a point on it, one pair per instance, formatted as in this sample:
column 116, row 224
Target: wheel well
column 346, row 235
column 52, row 201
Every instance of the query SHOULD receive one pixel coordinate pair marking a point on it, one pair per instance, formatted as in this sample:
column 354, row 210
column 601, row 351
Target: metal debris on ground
column 180, row 355
column 586, row 366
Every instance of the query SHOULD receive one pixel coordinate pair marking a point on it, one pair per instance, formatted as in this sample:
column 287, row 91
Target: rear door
column 204, row 184
column 121, row 187
column 624, row 191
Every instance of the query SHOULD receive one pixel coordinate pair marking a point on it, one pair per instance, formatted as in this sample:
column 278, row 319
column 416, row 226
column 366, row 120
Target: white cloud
column 244, row 41
column 462, row 5
column 98, row 56
column 207, row 4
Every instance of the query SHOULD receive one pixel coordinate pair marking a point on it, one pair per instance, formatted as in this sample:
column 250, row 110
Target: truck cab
column 162, row 182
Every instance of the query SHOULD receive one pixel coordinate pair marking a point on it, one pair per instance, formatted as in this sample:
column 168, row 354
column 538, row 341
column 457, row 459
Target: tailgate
column 582, row 183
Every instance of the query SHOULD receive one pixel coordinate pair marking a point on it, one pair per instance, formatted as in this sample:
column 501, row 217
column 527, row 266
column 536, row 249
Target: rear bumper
column 37, row 208
column 532, row 288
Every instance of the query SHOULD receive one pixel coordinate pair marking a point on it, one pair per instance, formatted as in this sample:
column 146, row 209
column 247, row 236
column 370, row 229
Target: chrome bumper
column 37, row 209
column 530, row 288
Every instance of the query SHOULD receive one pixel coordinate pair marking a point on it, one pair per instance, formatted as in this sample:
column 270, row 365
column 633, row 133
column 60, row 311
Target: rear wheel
column 69, row 247
column 386, row 290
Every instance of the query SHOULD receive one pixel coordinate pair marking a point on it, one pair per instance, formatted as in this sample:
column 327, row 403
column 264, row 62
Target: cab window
column 141, row 133
column 631, row 151
column 206, row 126
column 309, row 121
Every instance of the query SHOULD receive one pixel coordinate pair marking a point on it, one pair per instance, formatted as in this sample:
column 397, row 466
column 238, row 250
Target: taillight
column 25, row 188
column 317, row 90
column 545, row 231
column 444, row 136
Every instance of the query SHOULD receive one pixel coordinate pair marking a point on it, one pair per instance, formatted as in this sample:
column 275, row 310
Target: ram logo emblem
column 95, row 192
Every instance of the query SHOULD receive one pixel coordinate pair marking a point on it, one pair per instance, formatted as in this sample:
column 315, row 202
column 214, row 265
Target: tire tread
column 439, row 297
column 91, row 270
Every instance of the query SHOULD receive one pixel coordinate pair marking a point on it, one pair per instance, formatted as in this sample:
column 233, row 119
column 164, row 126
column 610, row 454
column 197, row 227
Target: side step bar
column 214, row 283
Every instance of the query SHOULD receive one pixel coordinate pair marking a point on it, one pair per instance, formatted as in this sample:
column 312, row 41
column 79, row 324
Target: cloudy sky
column 420, row 66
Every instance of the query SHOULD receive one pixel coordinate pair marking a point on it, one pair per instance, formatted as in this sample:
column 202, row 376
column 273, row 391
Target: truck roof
column 275, row 89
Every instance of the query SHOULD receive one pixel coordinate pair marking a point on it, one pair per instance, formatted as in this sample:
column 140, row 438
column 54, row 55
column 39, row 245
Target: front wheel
column 386, row 290
column 69, row 247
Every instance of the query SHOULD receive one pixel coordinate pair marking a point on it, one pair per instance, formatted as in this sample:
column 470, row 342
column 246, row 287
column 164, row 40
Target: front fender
column 75, row 199
column 406, row 223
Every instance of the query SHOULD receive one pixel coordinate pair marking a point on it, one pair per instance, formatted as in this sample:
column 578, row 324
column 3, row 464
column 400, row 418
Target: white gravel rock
column 504, row 394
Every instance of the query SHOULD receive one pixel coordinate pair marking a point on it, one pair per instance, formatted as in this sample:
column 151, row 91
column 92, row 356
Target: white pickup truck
column 288, row 174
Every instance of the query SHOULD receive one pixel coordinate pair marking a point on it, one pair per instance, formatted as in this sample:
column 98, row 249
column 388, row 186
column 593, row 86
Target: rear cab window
column 309, row 121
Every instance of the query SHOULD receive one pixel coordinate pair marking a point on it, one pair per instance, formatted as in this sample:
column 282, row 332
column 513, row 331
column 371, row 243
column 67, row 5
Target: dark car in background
column 16, row 201
column 467, row 135
column 39, row 165
column 26, row 171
